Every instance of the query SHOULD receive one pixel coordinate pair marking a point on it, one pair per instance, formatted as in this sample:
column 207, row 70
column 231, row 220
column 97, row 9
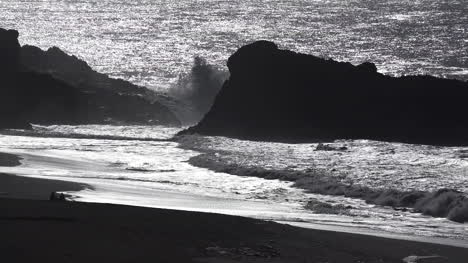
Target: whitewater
column 153, row 43
column 147, row 166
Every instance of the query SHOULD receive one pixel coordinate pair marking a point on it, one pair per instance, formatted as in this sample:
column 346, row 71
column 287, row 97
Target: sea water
column 145, row 166
column 153, row 43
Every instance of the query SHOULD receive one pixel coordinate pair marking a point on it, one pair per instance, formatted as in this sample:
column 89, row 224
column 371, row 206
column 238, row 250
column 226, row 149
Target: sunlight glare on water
column 156, row 173
column 152, row 42
column 370, row 163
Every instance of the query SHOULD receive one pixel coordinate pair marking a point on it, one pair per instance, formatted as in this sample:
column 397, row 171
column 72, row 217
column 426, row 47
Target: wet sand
column 12, row 186
column 57, row 231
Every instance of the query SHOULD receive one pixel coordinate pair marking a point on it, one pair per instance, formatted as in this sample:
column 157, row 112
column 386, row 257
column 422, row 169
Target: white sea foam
column 152, row 42
column 374, row 164
column 157, row 174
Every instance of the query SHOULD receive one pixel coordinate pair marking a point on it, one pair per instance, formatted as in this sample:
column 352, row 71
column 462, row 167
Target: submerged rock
column 425, row 259
column 328, row 147
column 327, row 208
column 280, row 95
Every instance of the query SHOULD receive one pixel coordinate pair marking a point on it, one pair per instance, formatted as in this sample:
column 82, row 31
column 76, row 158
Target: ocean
column 153, row 43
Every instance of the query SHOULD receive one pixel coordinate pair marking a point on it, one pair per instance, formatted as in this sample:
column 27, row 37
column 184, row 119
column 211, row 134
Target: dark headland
column 51, row 87
column 281, row 95
column 48, row 87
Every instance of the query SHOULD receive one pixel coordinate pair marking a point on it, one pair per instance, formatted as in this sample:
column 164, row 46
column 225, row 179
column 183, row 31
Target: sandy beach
column 34, row 228
column 13, row 186
column 234, row 131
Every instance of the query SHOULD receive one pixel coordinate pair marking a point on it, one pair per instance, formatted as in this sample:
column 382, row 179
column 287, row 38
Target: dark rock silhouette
column 328, row 147
column 51, row 87
column 9, row 48
column 142, row 105
column 27, row 96
column 281, row 95
column 54, row 196
column 75, row 71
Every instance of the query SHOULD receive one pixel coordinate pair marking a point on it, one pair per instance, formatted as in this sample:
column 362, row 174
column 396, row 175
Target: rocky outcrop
column 75, row 71
column 280, row 95
column 51, row 87
column 29, row 97
column 9, row 50
column 189, row 99
column 142, row 106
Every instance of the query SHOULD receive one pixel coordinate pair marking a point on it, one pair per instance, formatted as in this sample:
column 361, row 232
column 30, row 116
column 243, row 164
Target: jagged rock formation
column 189, row 100
column 9, row 47
column 27, row 96
column 281, row 95
column 75, row 71
column 51, row 87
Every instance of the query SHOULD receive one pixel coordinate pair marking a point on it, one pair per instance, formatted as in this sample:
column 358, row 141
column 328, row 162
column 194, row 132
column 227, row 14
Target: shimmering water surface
column 141, row 166
column 379, row 165
column 152, row 42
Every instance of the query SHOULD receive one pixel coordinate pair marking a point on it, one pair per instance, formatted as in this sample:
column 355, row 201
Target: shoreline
column 22, row 187
column 82, row 231
column 42, row 187
column 429, row 203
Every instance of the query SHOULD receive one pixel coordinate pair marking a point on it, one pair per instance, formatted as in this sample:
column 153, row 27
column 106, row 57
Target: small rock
column 425, row 259
column 54, row 196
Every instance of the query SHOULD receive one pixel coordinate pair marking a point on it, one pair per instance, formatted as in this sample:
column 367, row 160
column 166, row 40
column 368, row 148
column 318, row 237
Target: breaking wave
column 447, row 203
column 197, row 90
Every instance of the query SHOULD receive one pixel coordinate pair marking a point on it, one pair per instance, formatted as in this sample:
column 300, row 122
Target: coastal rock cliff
column 281, row 95
column 51, row 87
column 10, row 50
column 74, row 71
column 29, row 96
